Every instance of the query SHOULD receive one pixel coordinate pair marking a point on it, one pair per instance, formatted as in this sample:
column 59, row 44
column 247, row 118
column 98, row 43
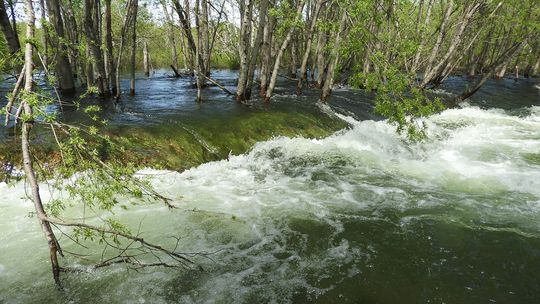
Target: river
column 361, row 216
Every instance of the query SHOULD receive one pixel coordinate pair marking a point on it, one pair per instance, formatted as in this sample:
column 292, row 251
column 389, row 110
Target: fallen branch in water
column 217, row 84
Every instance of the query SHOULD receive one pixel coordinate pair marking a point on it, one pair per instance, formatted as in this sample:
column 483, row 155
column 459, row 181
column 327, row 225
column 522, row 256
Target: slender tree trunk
column 111, row 72
column 170, row 34
column 205, row 39
column 303, row 67
column 263, row 12
column 246, row 9
column 440, row 37
column 133, row 48
column 501, row 71
column 321, row 62
column 199, row 69
column 294, row 58
column 72, row 30
column 25, row 143
column 92, row 27
column 334, row 58
column 280, row 53
column 64, row 74
column 421, row 31
column 266, row 55
column 146, row 59
column 536, row 67
column 89, row 69
column 125, row 27
column 10, row 33
column 434, row 73
column 44, row 34
column 184, row 20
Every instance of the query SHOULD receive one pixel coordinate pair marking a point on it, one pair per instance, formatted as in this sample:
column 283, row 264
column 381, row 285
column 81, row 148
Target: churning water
column 359, row 217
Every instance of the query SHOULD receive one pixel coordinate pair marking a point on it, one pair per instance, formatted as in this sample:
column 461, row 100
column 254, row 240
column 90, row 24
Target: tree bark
column 8, row 31
column 205, row 39
column 170, row 33
column 280, row 53
column 146, row 59
column 321, row 62
column 440, row 37
column 421, row 31
column 263, row 12
column 64, row 74
column 266, row 55
column 73, row 48
column 44, row 35
column 309, row 35
column 133, row 48
column 334, row 58
column 246, row 10
column 25, row 145
column 435, row 72
column 111, row 71
column 294, row 58
column 125, row 27
column 184, row 20
column 92, row 29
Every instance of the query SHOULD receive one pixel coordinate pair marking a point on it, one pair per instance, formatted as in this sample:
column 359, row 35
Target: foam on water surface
column 362, row 214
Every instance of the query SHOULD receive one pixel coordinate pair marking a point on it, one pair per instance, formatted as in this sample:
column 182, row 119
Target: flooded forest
column 269, row 151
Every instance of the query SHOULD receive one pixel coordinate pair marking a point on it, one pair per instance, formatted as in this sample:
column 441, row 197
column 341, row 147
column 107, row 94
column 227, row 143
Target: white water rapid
column 358, row 217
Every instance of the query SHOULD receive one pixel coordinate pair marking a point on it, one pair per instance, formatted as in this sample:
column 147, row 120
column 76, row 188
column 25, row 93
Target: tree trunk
column 72, row 30
column 423, row 39
column 92, row 29
column 280, row 53
column 536, row 67
column 334, row 58
column 111, row 71
column 133, row 48
column 499, row 74
column 89, row 69
column 266, row 55
column 321, row 62
column 263, row 11
column 440, row 37
column 246, row 10
column 146, row 59
column 25, row 145
column 8, row 31
column 44, row 35
column 294, row 58
column 205, row 39
column 125, row 27
column 435, row 72
column 184, row 20
column 64, row 74
column 170, row 34
column 199, row 68
column 309, row 35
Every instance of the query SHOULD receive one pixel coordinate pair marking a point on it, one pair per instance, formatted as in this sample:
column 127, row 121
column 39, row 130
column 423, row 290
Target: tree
column 8, row 30
column 64, row 74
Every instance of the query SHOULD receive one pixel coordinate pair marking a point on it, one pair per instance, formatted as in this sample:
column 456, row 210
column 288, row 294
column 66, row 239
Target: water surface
column 359, row 217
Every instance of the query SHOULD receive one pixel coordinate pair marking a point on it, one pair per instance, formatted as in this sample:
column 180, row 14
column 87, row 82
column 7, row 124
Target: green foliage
column 398, row 99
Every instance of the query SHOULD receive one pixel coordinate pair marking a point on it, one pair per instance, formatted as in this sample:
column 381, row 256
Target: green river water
column 360, row 216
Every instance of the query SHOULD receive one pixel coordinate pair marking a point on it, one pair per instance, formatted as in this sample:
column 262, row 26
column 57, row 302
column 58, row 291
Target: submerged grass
column 178, row 145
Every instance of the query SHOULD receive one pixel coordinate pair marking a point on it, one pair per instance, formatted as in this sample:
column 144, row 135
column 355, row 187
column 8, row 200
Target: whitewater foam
column 298, row 217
